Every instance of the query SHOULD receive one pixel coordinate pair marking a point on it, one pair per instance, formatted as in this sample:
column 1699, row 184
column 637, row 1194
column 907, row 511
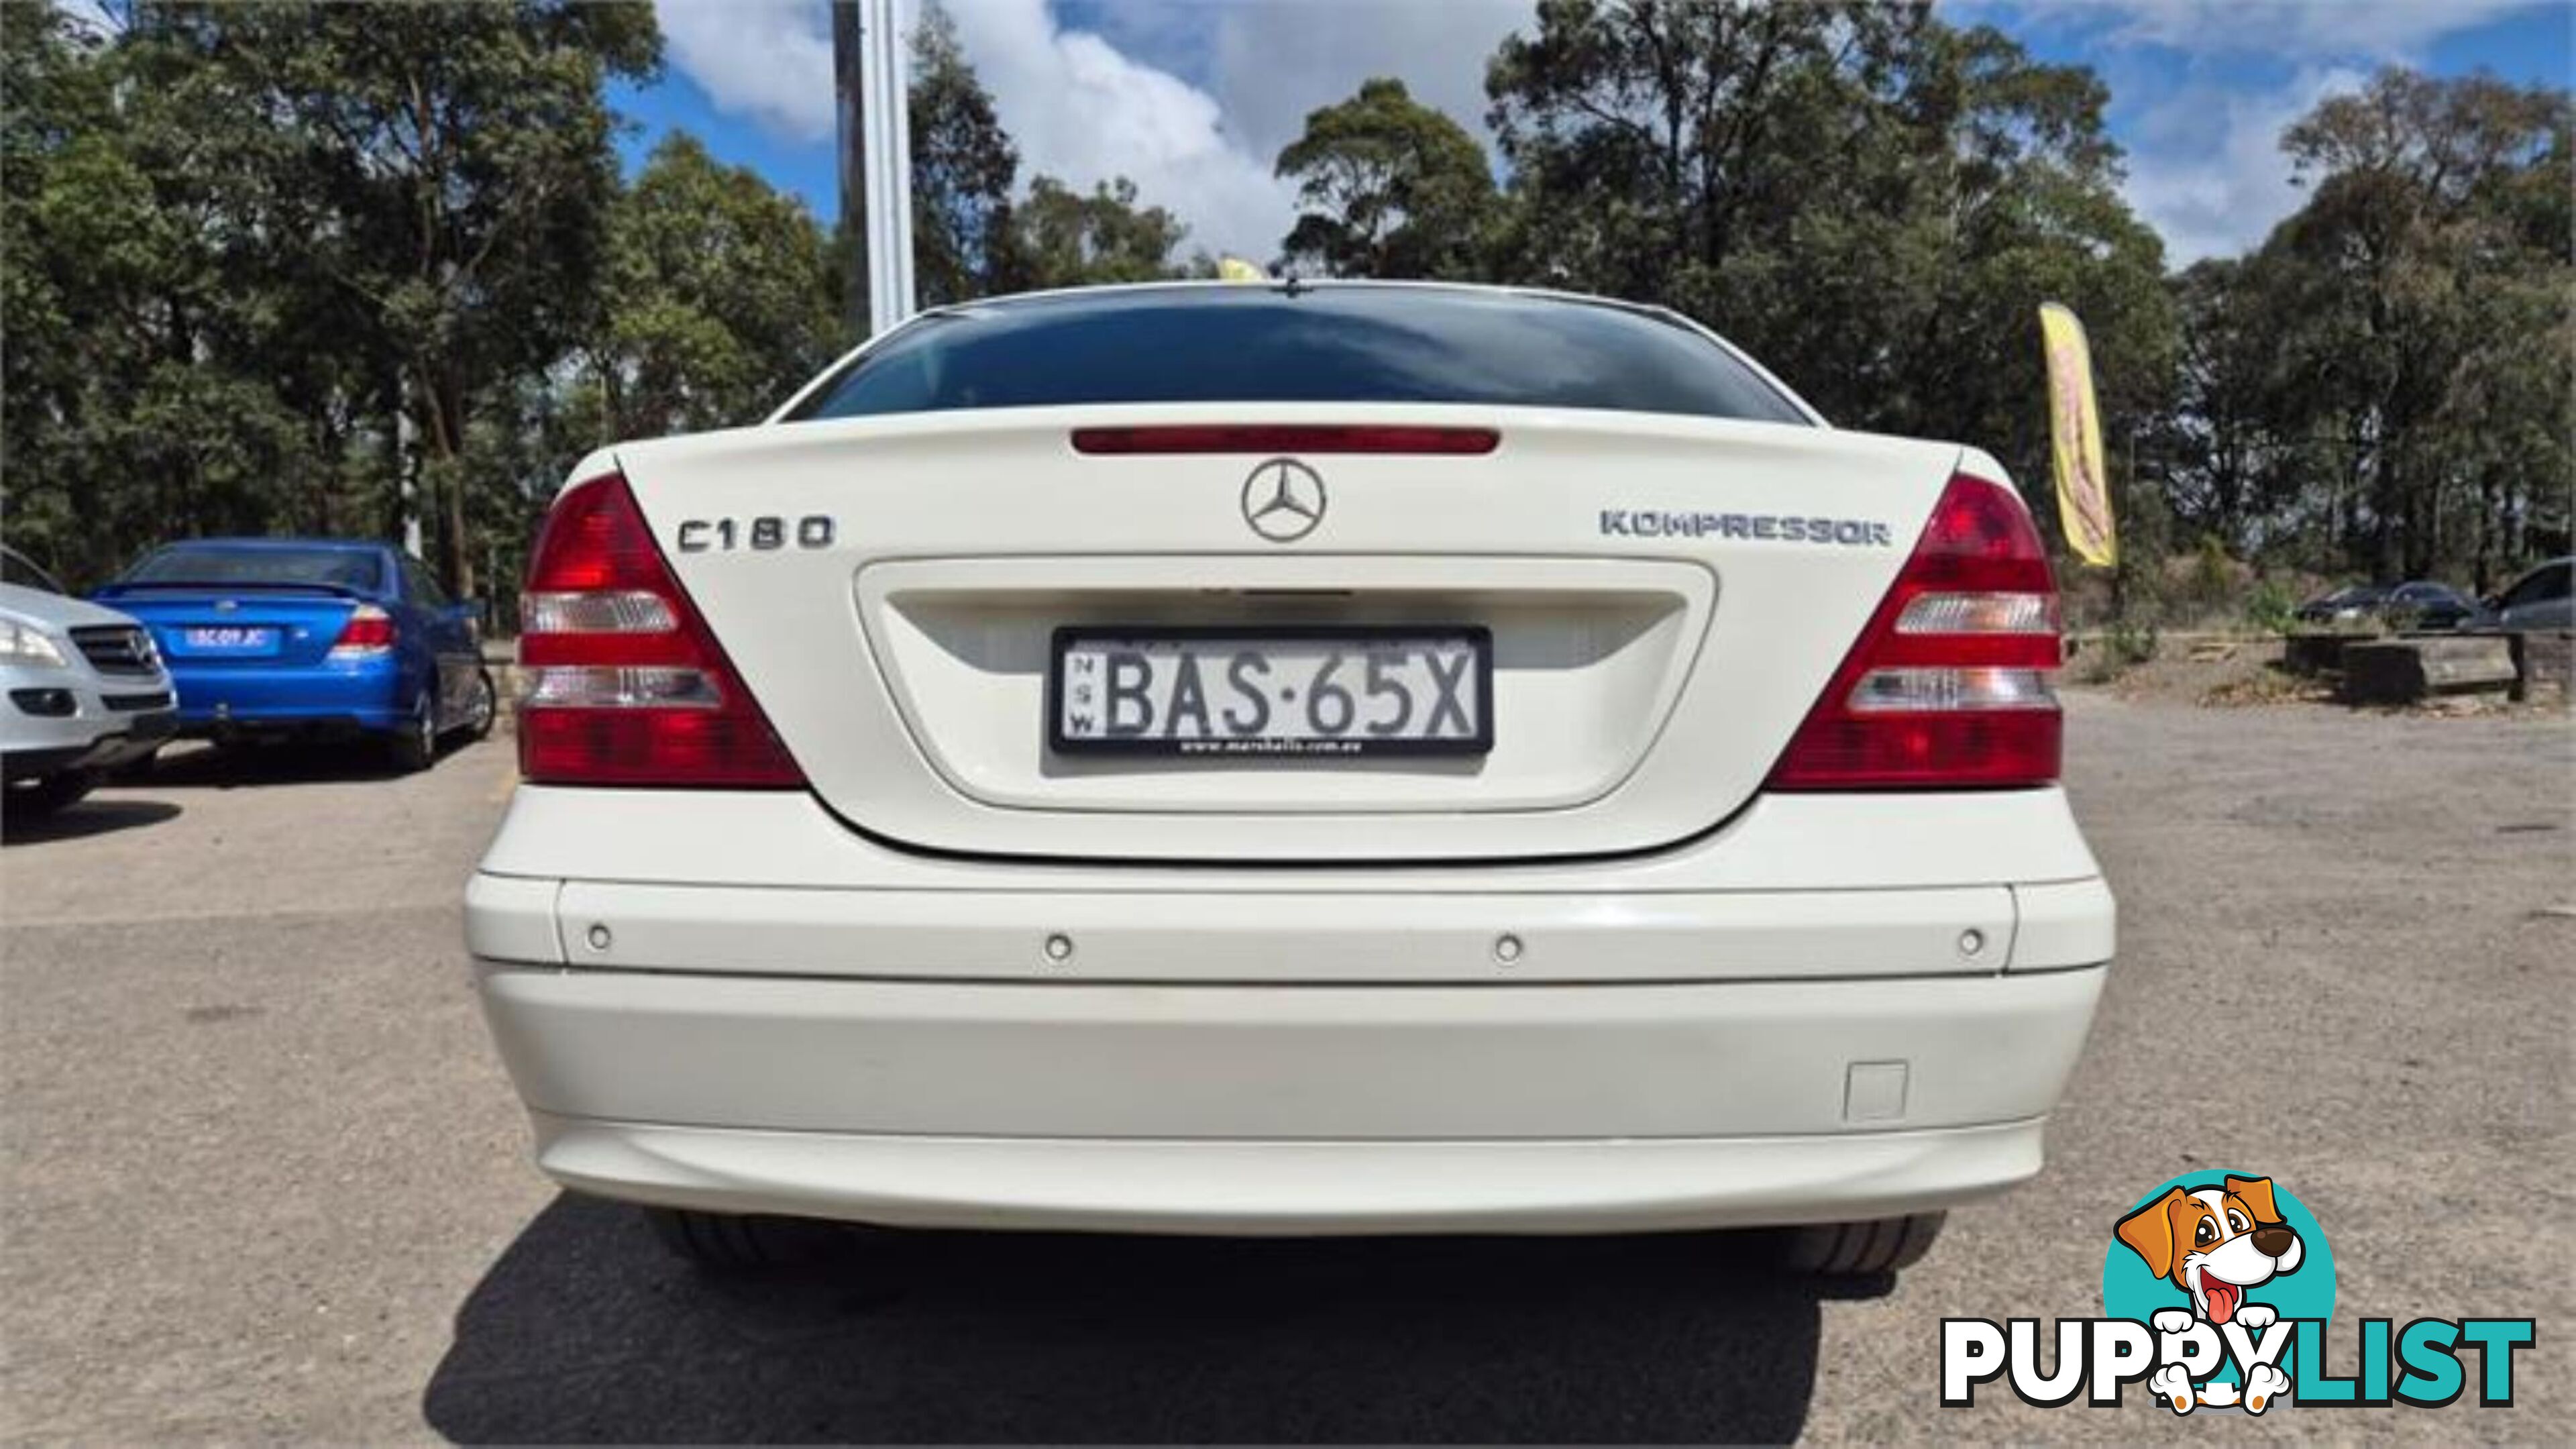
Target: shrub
column 2269, row 607
column 2125, row 645
column 2214, row 575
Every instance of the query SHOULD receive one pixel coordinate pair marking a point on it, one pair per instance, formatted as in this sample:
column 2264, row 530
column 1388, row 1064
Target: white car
column 1291, row 759
column 86, row 691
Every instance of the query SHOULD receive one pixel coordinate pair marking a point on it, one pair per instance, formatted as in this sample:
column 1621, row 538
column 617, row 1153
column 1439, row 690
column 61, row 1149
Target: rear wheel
column 482, row 709
column 36, row 799
column 731, row 1243
column 414, row 745
column 1883, row 1245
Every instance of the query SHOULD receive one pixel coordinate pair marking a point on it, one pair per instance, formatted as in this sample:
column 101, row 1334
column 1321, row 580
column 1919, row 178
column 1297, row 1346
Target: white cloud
column 769, row 60
column 2202, row 87
column 2209, row 86
column 1084, row 111
column 92, row 16
column 1276, row 60
column 2208, row 171
column 1268, row 63
column 1085, row 106
column 2296, row 29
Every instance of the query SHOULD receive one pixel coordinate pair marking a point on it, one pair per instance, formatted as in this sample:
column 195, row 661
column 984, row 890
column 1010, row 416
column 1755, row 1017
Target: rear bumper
column 1289, row 1108
column 1114, row 1185
column 1833, row 1008
column 364, row 695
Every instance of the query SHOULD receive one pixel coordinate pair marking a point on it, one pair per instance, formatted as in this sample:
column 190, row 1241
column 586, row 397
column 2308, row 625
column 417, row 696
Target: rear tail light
column 1949, row 686
column 369, row 632
column 1287, row 438
column 626, row 684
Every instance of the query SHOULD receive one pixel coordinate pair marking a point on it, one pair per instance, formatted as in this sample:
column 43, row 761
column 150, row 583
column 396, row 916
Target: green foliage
column 2214, row 576
column 723, row 302
column 2268, row 609
column 279, row 267
column 451, row 190
column 2119, row 648
column 1873, row 200
column 1869, row 199
column 963, row 169
column 255, row 245
column 1391, row 187
column 1063, row 238
column 2382, row 387
column 973, row 235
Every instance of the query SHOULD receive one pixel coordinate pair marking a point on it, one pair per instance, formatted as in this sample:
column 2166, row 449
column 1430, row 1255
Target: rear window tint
column 250, row 567
column 1327, row 344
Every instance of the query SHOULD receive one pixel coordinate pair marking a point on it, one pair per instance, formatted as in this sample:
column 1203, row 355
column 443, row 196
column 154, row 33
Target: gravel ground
column 263, row 1179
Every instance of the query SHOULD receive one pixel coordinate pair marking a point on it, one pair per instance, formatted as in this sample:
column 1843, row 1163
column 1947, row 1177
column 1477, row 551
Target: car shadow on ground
column 585, row 1330
column 321, row 761
column 92, row 816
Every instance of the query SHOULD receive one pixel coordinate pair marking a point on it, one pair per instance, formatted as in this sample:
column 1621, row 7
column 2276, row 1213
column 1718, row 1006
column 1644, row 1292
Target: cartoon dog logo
column 2214, row 1243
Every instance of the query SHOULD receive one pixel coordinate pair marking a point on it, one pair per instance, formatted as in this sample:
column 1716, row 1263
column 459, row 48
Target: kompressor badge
column 1769, row 527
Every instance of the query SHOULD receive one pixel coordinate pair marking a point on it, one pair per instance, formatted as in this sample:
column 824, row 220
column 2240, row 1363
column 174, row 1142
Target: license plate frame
column 228, row 638
column 1478, row 638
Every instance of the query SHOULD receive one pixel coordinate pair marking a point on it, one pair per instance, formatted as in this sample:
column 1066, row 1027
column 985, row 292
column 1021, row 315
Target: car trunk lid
column 233, row 627
column 1665, row 598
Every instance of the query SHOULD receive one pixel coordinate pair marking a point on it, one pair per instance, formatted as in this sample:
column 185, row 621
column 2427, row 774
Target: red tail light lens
column 627, row 685
column 1287, row 438
column 1949, row 686
column 369, row 631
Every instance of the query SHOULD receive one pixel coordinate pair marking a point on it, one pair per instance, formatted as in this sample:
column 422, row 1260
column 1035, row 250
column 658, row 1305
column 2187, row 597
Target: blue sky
column 1193, row 98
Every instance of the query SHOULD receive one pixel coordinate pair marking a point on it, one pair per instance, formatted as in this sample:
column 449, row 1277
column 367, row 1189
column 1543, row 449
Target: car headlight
column 27, row 644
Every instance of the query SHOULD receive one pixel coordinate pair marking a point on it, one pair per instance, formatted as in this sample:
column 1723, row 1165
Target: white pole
column 885, row 128
column 410, row 485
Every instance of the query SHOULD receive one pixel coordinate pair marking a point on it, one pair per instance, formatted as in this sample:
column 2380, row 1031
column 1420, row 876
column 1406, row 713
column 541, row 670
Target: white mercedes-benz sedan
column 1291, row 759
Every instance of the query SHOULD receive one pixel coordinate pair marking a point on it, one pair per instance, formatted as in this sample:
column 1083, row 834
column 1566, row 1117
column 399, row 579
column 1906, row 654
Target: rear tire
column 733, row 1244
column 36, row 799
column 414, row 746
column 1884, row 1245
column 481, row 710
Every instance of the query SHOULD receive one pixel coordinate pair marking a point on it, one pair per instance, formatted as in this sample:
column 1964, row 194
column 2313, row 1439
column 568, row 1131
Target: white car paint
column 978, row 534
column 120, row 703
column 1602, row 981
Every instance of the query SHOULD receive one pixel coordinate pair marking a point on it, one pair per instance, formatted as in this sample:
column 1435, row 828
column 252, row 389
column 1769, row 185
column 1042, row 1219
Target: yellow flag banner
column 2075, row 439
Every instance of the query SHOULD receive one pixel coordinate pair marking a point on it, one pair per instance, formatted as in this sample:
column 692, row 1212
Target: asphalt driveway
column 263, row 1178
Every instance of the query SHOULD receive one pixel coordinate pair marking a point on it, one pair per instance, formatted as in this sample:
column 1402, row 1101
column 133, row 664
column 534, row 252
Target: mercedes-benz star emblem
column 1283, row 500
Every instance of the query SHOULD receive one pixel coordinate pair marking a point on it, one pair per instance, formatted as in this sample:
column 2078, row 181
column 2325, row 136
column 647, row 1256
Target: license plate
column 228, row 639
column 1314, row 691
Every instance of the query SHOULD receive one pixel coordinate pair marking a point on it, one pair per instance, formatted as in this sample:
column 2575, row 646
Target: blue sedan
column 276, row 636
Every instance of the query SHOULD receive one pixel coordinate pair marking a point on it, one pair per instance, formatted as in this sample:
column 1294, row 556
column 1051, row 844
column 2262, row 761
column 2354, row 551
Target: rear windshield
column 1325, row 344
column 207, row 563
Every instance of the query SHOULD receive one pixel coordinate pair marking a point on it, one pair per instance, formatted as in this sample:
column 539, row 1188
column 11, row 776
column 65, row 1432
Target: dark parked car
column 274, row 636
column 2351, row 604
column 2419, row 604
column 2426, row 605
column 2540, row 599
